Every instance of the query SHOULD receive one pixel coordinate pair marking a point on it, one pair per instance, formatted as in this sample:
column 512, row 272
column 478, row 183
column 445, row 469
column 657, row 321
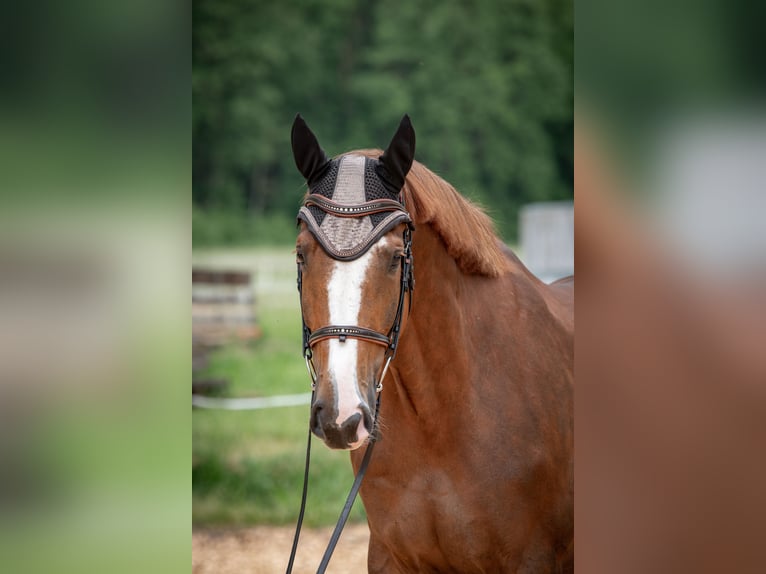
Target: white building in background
column 547, row 239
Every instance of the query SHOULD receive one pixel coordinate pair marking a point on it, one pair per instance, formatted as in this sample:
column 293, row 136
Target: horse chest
column 430, row 520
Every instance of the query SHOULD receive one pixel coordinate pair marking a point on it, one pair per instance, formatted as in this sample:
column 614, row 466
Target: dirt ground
column 266, row 549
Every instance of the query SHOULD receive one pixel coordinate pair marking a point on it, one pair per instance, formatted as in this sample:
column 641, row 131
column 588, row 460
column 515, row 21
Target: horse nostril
column 316, row 419
column 348, row 430
column 351, row 423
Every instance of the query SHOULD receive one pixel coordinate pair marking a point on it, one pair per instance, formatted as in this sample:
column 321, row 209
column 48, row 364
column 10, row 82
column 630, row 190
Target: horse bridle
column 343, row 332
column 406, row 285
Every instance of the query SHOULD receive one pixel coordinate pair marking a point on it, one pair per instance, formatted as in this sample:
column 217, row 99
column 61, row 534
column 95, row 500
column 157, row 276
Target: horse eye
column 395, row 262
column 299, row 257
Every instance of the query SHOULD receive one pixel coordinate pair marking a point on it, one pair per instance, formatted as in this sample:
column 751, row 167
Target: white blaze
column 344, row 293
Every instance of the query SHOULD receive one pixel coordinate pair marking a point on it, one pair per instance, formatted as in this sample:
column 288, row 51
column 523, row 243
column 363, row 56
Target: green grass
column 247, row 466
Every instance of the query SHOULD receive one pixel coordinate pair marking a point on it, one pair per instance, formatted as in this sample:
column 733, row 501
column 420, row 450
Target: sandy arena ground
column 266, row 549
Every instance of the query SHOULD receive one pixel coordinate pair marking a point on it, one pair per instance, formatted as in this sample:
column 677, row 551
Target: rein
column 342, row 332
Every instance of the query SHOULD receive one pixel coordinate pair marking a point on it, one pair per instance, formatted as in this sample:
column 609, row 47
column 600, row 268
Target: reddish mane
column 466, row 230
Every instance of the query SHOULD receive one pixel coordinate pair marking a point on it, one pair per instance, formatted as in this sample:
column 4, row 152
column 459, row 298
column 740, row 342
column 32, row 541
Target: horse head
column 354, row 273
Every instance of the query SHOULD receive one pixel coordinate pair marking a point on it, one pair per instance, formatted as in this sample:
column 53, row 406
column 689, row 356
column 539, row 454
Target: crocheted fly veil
column 353, row 200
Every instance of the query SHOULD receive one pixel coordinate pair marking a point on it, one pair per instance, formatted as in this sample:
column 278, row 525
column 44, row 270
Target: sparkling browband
column 360, row 210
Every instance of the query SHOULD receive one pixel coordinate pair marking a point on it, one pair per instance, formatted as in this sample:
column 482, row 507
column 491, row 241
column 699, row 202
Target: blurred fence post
column 547, row 238
column 223, row 311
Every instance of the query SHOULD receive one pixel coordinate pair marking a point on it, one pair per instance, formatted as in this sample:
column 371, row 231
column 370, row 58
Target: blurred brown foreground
column 671, row 397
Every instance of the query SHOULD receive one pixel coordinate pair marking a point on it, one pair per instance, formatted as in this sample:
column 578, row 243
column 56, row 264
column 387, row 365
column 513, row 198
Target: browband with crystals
column 342, row 210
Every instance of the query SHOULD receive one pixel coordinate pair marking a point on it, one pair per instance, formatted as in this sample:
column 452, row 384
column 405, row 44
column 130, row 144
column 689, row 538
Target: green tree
column 488, row 86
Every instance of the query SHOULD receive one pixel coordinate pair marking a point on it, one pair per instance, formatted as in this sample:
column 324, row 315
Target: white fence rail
column 250, row 404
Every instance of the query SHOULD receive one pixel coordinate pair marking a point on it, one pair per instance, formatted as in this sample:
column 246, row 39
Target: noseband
column 396, row 213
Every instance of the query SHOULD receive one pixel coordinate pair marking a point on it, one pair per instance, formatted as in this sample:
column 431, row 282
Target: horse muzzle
column 348, row 434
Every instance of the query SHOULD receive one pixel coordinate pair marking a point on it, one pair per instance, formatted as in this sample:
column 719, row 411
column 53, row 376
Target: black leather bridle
column 389, row 340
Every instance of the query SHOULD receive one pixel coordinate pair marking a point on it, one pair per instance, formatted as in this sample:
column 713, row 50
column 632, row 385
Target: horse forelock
column 466, row 230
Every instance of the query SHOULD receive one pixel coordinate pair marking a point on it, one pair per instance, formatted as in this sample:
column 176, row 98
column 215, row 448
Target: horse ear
column 309, row 156
column 397, row 159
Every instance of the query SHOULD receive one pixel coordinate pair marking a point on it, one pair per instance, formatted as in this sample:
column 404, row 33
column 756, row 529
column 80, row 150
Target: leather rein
column 389, row 340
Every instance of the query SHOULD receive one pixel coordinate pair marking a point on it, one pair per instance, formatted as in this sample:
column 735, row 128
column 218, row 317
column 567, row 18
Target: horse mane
column 466, row 230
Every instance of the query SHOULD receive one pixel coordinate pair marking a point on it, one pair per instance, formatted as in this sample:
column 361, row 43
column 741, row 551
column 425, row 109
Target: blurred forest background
column 488, row 86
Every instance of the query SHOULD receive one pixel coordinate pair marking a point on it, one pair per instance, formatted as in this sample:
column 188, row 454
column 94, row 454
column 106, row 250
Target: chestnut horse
column 473, row 465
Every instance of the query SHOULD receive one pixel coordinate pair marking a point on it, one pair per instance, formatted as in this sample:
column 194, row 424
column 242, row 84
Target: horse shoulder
column 558, row 296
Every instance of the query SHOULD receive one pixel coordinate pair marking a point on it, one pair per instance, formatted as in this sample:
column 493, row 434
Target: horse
column 473, row 469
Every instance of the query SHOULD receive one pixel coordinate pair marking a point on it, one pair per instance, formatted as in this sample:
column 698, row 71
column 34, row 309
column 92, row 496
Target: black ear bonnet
column 353, row 200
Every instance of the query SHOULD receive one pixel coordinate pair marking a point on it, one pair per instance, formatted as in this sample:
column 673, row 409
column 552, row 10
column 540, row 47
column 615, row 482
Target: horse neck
column 433, row 346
